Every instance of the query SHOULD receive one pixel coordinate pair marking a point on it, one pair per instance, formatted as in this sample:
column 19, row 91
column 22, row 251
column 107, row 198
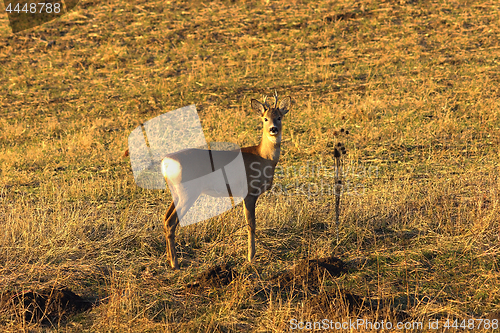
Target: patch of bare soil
column 310, row 273
column 46, row 305
column 214, row 277
column 328, row 301
column 345, row 16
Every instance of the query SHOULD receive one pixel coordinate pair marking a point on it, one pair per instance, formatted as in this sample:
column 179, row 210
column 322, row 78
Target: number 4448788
column 33, row 8
column 472, row 324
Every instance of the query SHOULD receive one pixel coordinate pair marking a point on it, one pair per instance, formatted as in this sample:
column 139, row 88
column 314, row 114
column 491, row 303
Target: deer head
column 272, row 115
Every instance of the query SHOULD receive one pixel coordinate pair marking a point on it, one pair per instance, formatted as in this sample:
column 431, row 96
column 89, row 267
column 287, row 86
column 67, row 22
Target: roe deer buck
column 259, row 161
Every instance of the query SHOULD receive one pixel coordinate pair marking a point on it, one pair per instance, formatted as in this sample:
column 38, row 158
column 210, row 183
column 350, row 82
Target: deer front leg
column 250, row 218
column 170, row 223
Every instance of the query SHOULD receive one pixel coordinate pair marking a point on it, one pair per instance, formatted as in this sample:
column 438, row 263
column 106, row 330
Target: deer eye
column 265, row 119
column 279, row 118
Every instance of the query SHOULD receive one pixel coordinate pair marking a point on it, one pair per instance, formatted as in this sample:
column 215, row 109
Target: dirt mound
column 310, row 273
column 214, row 277
column 47, row 305
column 329, row 301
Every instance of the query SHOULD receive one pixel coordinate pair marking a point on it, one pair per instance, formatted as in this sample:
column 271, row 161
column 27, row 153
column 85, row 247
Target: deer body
column 260, row 162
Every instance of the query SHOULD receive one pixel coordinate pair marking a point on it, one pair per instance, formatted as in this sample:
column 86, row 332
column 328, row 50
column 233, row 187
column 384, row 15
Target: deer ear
column 285, row 105
column 258, row 107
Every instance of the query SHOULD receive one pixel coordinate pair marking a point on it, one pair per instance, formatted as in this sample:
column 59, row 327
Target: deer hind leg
column 170, row 223
column 250, row 218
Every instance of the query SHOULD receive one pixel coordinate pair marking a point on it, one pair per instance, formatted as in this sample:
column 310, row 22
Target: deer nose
column 273, row 130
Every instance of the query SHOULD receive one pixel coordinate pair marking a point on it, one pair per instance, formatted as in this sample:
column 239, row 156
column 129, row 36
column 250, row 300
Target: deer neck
column 270, row 147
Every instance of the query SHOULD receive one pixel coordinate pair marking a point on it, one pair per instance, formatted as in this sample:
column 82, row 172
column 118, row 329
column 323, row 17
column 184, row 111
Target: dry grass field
column 416, row 83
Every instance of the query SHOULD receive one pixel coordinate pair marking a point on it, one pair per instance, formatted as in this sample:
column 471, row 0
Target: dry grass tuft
column 414, row 82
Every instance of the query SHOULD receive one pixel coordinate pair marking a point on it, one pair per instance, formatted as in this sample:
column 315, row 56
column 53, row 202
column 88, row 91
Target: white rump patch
column 171, row 170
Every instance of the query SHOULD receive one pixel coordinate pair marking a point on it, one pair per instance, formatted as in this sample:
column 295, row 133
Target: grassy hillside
column 416, row 83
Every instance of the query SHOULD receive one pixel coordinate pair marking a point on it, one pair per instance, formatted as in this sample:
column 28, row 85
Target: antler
column 265, row 103
column 275, row 99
